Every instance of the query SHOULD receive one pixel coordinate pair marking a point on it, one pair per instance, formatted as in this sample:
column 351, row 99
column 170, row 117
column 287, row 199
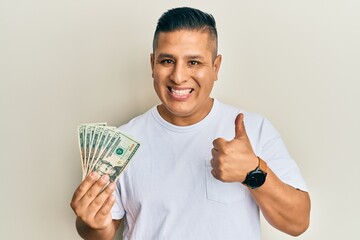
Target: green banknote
column 81, row 144
column 116, row 158
column 85, row 136
column 105, row 149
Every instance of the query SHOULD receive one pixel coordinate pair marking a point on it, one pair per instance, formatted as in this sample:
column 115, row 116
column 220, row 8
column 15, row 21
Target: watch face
column 255, row 179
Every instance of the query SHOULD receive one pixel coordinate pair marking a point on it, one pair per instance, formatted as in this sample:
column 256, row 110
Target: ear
column 217, row 64
column 152, row 64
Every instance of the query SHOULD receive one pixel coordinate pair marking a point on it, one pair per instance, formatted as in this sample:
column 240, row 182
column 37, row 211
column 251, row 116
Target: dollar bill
column 89, row 136
column 106, row 133
column 81, row 144
column 104, row 149
column 97, row 133
column 116, row 158
column 88, row 131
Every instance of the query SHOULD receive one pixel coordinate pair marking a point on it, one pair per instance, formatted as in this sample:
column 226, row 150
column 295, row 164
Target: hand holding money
column 105, row 149
column 92, row 202
column 105, row 152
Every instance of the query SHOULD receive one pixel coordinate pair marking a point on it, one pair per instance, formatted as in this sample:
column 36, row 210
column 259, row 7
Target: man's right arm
column 87, row 232
column 92, row 205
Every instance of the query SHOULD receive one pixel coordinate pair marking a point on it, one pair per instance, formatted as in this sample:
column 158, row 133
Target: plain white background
column 63, row 63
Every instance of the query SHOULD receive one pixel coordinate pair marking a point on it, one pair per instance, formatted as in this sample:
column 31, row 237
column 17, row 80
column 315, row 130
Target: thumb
column 239, row 126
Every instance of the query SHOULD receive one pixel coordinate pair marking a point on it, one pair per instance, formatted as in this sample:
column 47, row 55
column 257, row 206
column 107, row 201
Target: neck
column 185, row 120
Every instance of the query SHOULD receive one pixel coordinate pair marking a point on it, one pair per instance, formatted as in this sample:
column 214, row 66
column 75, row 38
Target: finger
column 84, row 186
column 218, row 143
column 240, row 130
column 104, row 211
column 95, row 189
column 102, row 197
column 214, row 153
column 213, row 172
column 212, row 163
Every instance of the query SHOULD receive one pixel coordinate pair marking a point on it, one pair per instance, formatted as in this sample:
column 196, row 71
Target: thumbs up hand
column 232, row 160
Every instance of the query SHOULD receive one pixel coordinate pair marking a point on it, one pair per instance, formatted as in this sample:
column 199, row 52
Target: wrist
column 256, row 178
column 88, row 232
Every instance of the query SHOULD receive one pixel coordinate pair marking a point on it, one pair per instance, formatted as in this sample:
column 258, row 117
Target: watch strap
column 262, row 165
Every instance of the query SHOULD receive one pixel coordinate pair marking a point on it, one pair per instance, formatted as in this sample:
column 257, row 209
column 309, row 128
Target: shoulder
column 251, row 119
column 256, row 124
column 138, row 122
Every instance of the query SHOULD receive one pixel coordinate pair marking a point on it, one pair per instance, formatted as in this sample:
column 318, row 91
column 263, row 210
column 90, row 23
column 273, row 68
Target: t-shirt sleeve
column 117, row 211
column 274, row 152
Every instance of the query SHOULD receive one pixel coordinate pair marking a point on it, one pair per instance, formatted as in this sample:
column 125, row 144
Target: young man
column 204, row 168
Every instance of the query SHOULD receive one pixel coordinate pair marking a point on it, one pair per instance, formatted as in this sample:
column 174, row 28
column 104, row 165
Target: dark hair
column 185, row 18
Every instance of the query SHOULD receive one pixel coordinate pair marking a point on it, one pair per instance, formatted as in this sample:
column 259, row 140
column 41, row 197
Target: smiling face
column 184, row 70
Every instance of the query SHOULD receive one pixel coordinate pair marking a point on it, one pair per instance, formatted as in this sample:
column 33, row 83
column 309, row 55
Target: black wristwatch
column 256, row 177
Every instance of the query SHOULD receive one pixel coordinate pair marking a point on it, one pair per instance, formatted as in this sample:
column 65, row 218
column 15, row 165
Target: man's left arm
column 284, row 207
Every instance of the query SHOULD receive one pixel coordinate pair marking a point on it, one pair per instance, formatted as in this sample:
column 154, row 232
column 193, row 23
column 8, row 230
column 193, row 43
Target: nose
column 180, row 73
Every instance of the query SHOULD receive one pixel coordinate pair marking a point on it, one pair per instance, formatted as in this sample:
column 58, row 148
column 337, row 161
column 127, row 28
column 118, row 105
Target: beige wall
column 67, row 62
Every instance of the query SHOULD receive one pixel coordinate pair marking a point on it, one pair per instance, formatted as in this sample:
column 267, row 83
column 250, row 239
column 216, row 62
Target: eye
column 193, row 63
column 167, row 61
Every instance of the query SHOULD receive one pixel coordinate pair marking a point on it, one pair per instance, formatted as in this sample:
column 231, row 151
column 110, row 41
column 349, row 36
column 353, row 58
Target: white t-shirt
column 168, row 192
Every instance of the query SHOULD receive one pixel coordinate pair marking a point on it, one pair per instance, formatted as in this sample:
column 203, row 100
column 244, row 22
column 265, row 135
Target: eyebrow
column 166, row 55
column 194, row 57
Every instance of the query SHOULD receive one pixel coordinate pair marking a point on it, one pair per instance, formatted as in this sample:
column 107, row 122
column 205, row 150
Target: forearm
column 89, row 233
column 284, row 207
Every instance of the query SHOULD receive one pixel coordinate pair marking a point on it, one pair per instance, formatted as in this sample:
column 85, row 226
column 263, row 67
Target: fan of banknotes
column 105, row 149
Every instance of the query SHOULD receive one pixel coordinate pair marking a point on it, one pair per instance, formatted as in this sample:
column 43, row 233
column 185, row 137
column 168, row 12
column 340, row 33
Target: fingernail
column 93, row 175
column 111, row 186
column 105, row 178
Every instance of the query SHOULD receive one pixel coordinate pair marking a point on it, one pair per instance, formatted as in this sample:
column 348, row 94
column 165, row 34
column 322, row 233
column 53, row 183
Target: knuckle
column 72, row 205
column 76, row 209
column 75, row 206
column 90, row 194
column 98, row 201
column 220, row 175
column 227, row 151
column 103, row 212
column 108, row 190
column 81, row 188
column 100, row 183
column 220, row 160
column 111, row 201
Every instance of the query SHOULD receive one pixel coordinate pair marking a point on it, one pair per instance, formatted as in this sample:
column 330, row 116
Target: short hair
column 186, row 18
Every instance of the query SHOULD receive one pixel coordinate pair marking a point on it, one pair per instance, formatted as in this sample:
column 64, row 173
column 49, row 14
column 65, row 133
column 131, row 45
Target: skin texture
column 184, row 70
column 184, row 61
column 92, row 208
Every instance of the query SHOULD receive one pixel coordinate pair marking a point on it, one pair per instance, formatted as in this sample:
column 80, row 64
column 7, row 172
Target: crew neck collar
column 189, row 128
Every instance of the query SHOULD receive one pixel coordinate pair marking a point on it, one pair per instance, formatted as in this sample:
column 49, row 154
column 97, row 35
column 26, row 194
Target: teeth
column 181, row 92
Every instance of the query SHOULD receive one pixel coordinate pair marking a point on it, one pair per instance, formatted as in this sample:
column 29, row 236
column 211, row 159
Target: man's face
column 184, row 71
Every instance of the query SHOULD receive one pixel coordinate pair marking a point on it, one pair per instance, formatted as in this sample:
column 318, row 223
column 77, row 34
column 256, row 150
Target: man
column 204, row 168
